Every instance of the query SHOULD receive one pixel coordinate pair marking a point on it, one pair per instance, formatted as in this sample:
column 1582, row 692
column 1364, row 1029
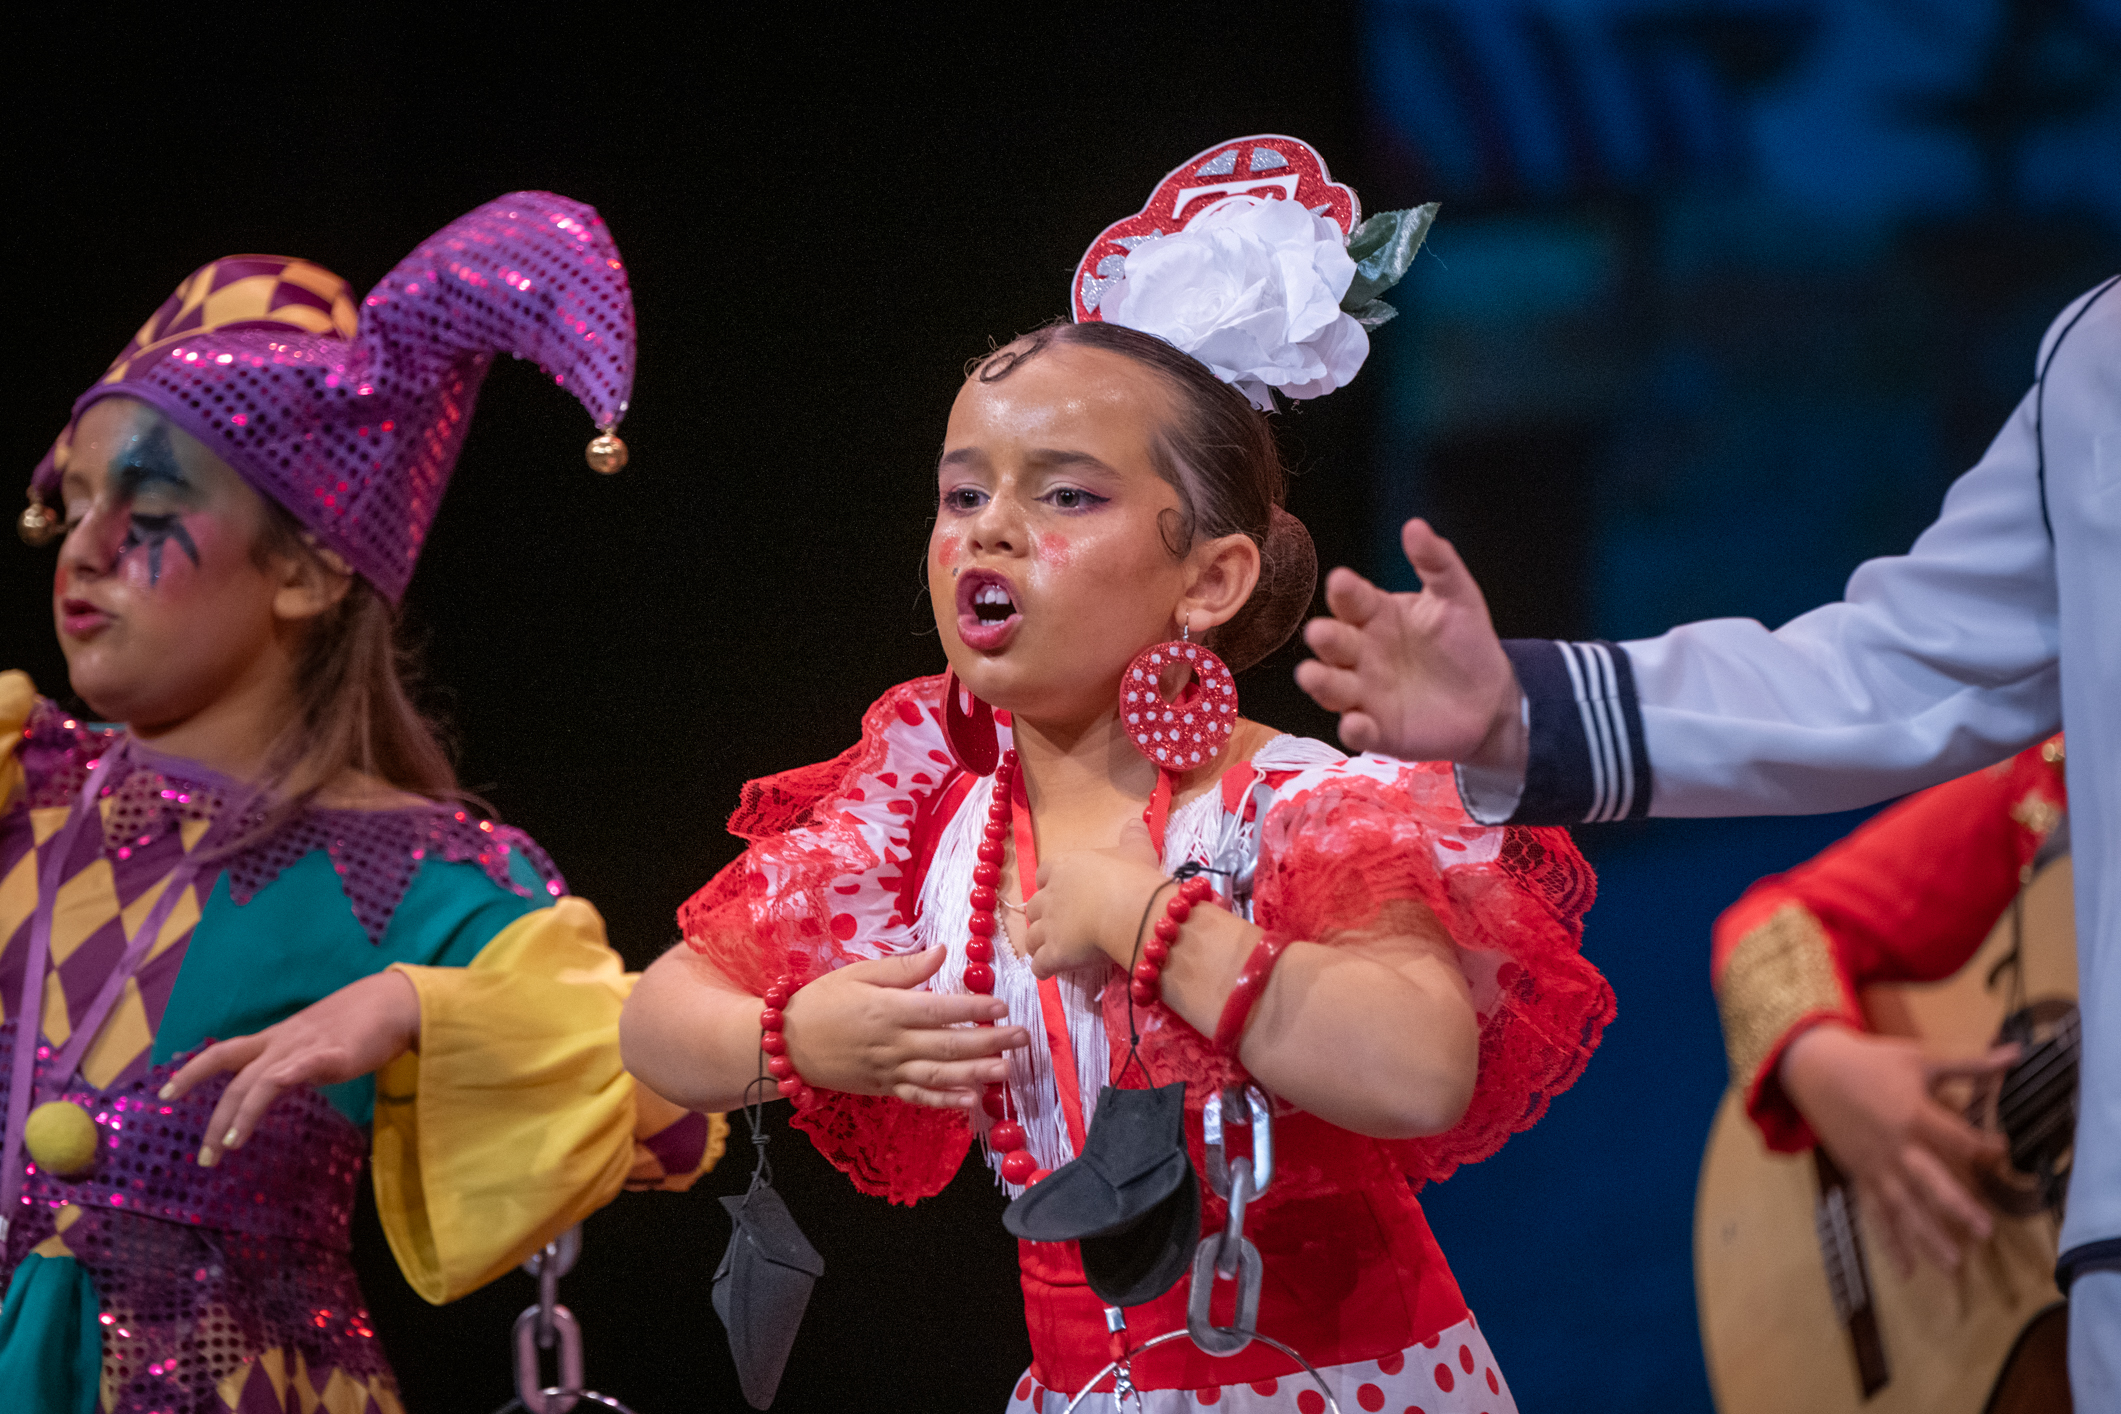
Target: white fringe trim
column 945, row 918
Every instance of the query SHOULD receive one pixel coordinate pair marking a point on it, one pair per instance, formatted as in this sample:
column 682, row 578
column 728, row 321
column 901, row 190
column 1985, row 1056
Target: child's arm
column 692, row 1035
column 1910, row 896
column 355, row 1031
column 1372, row 1029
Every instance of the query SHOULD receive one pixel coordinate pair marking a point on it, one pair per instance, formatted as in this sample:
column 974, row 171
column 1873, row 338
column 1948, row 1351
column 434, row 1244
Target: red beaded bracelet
column 1147, row 983
column 775, row 1045
column 1244, row 993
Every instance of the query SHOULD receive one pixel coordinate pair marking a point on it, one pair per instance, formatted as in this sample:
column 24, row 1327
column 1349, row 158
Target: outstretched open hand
column 1872, row 1100
column 355, row 1031
column 1420, row 676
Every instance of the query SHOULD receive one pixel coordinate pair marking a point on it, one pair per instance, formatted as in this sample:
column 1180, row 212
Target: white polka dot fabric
column 1453, row 1372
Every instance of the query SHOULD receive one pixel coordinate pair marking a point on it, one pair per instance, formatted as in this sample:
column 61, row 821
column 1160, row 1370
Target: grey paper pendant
column 761, row 1289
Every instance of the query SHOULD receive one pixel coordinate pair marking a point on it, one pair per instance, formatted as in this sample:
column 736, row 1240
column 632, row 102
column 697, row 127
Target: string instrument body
column 1774, row 1246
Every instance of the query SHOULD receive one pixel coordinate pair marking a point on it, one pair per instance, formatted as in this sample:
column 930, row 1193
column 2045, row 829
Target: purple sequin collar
column 376, row 853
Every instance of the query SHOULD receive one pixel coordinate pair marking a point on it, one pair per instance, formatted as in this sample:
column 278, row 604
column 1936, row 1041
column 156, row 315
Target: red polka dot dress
column 1452, row 1373
column 872, row 855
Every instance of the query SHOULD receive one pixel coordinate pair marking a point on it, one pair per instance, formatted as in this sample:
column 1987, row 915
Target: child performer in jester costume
column 268, row 846
column 956, row 927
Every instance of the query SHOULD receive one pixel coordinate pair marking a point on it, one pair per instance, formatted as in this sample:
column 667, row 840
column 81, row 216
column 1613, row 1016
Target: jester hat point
column 352, row 417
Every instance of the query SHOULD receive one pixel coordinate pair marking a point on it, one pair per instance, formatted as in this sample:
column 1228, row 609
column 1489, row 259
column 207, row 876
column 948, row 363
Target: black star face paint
column 147, row 472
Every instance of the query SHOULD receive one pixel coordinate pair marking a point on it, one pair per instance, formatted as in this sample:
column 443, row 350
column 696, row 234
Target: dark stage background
column 1642, row 378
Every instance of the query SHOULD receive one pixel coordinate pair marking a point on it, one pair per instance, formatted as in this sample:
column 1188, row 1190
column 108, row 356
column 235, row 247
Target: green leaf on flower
column 1373, row 314
column 1383, row 249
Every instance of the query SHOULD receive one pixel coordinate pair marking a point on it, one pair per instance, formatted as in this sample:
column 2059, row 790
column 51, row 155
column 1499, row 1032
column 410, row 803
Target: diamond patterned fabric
column 352, row 419
column 221, row 1288
column 153, row 815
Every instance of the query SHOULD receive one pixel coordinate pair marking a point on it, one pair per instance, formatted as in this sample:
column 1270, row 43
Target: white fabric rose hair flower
column 1253, row 289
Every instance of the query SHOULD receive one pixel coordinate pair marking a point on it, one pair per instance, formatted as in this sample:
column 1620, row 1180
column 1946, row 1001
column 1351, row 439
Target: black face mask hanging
column 763, row 1283
column 1130, row 1199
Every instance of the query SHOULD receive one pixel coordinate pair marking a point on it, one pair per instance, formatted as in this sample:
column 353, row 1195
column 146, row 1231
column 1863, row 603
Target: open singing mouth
column 992, row 604
column 987, row 611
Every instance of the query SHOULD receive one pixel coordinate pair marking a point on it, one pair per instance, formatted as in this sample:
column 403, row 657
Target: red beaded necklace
column 1006, row 1137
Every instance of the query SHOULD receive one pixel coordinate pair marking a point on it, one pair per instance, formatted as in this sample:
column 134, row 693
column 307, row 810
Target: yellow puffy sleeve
column 18, row 698
column 514, row 1119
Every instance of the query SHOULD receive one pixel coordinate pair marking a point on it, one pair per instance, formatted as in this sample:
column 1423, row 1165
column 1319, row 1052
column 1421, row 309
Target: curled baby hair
column 1218, row 453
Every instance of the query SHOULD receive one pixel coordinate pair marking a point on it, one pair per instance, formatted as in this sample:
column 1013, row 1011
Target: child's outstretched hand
column 355, row 1031
column 1420, row 676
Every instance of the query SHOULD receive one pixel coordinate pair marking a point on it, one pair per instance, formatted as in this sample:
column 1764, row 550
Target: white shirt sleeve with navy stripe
column 2002, row 623
column 1935, row 663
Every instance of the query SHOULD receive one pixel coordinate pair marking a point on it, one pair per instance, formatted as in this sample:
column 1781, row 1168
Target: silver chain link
column 550, row 1326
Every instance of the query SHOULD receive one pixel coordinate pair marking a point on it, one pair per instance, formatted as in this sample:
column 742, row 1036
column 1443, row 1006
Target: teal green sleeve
column 297, row 941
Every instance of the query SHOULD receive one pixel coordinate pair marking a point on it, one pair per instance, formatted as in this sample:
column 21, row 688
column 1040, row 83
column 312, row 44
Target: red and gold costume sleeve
column 1909, row 897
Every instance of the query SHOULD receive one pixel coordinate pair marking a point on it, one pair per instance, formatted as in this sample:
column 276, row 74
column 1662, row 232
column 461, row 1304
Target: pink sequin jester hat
column 352, row 419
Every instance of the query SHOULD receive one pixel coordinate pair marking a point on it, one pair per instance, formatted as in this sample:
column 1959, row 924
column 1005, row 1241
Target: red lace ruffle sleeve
column 1369, row 832
column 831, row 877
column 1909, row 897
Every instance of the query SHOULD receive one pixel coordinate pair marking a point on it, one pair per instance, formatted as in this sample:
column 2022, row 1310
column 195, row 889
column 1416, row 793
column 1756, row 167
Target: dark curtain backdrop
column 823, row 219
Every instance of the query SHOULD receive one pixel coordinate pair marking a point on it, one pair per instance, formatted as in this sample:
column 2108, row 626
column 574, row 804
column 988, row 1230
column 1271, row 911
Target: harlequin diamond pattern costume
column 141, row 913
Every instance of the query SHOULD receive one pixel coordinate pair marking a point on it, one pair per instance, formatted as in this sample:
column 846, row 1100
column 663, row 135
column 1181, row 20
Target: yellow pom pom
column 61, row 1138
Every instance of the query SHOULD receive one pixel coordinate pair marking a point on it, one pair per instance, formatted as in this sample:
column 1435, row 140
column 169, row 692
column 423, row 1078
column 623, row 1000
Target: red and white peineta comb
column 1265, row 167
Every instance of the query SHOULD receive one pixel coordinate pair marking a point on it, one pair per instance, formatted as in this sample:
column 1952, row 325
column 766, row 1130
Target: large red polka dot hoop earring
column 1188, row 729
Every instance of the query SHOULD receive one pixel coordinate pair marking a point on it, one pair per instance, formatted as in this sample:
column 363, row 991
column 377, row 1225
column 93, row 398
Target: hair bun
column 1288, row 576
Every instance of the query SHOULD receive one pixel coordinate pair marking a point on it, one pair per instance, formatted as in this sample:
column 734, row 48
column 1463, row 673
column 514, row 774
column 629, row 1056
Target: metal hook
column 1236, row 858
column 1325, row 1391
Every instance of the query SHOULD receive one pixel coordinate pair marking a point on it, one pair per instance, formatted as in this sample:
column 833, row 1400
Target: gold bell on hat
column 606, row 453
column 40, row 525
column 61, row 1138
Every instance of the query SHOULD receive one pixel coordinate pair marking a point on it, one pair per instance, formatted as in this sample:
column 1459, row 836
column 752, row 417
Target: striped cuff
column 1587, row 761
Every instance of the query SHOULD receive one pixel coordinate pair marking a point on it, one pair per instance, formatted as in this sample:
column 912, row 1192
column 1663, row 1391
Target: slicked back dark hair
column 1217, row 451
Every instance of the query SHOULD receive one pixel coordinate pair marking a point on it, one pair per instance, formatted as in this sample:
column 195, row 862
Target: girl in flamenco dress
column 269, row 846
column 957, row 927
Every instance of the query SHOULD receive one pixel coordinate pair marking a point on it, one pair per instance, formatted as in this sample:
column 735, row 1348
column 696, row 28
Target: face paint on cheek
column 153, row 533
column 1055, row 550
column 947, row 550
column 153, row 463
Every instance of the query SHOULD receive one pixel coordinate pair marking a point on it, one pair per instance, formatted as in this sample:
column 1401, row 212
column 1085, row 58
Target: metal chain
column 1224, row 1256
column 550, row 1326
